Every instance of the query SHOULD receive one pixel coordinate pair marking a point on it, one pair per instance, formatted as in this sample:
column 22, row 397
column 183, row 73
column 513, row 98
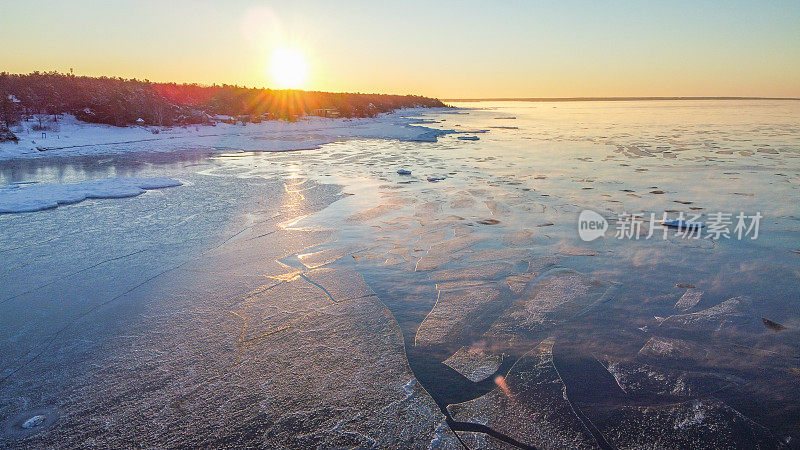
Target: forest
column 122, row 102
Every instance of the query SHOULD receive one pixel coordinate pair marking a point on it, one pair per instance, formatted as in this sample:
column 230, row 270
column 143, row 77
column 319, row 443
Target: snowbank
column 72, row 137
column 17, row 198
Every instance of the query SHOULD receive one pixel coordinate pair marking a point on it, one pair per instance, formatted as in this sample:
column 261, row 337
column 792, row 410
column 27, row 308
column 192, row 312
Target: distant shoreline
column 607, row 99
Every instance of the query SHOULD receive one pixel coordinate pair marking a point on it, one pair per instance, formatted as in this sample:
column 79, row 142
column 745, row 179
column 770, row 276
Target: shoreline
column 610, row 99
column 72, row 137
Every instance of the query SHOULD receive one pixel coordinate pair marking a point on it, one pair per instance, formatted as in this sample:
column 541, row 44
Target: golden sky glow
column 460, row 49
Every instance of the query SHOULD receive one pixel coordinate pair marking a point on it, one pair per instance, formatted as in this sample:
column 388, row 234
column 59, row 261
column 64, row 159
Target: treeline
column 121, row 102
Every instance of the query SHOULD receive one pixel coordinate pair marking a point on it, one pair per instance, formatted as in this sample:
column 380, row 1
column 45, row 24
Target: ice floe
column 529, row 405
column 562, row 295
column 36, row 197
column 456, row 314
column 474, row 362
column 689, row 299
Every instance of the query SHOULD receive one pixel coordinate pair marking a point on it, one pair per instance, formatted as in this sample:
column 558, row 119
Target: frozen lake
column 319, row 298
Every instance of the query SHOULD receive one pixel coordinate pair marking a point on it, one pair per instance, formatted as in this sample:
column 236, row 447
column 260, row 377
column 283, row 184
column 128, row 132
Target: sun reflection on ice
column 500, row 381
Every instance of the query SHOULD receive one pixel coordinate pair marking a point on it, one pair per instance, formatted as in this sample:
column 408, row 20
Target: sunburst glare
column 289, row 68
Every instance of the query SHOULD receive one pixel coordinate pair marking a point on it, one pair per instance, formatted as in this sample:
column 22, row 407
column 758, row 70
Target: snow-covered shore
column 72, row 137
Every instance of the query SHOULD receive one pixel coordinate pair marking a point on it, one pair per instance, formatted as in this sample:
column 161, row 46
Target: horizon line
column 615, row 99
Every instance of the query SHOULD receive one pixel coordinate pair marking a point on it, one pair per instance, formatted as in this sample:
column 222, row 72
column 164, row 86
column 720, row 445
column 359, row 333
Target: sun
column 289, row 68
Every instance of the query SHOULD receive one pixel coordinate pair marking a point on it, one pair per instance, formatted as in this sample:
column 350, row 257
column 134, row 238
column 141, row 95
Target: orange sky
column 448, row 50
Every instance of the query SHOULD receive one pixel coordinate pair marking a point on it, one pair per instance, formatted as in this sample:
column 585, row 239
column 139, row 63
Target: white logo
column 591, row 225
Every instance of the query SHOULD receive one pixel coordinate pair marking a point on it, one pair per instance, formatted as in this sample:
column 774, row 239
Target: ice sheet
column 277, row 310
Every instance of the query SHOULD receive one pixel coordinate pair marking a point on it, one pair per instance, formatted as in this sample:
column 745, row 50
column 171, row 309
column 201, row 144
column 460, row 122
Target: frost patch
column 695, row 417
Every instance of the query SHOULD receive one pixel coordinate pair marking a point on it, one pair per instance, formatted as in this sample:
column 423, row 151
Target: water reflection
column 82, row 168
